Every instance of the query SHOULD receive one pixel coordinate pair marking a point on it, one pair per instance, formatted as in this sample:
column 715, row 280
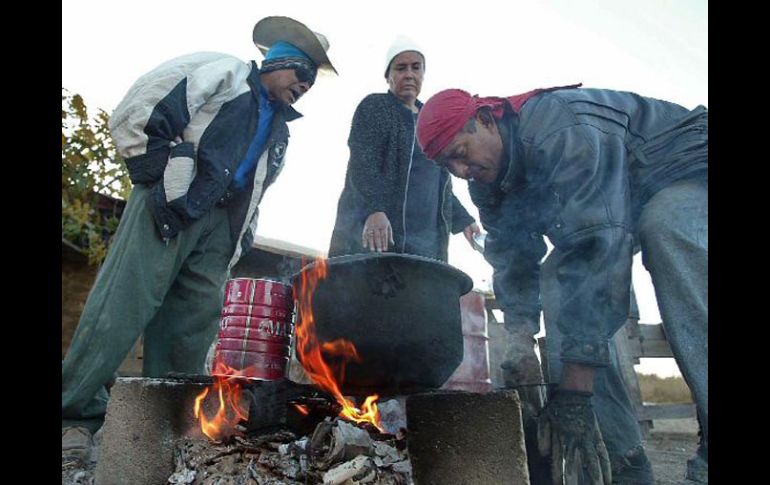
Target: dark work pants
column 170, row 292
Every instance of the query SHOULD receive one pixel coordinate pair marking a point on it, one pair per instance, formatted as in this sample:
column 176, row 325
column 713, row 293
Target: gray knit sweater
column 381, row 144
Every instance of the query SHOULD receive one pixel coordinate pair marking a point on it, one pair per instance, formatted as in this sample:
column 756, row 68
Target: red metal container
column 254, row 365
column 253, row 345
column 256, row 328
column 258, row 311
column 237, row 326
column 263, row 292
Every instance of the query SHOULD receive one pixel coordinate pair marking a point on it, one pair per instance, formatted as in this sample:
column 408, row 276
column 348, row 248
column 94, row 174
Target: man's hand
column 470, row 231
column 377, row 232
column 520, row 363
column 568, row 431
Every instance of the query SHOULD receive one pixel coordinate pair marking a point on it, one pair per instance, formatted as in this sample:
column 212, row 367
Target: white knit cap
column 401, row 44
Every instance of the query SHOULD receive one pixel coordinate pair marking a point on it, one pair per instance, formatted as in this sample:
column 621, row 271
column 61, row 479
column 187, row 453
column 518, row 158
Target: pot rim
column 465, row 281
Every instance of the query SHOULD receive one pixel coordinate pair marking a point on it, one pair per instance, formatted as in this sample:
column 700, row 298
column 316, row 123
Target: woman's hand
column 377, row 232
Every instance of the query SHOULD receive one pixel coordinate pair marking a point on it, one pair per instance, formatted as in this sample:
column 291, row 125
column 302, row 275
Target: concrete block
column 463, row 438
column 144, row 418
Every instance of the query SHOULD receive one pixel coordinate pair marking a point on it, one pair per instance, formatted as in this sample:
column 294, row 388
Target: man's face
column 405, row 75
column 474, row 156
column 282, row 85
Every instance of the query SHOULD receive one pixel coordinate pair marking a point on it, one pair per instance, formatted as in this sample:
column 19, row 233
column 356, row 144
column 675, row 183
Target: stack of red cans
column 256, row 328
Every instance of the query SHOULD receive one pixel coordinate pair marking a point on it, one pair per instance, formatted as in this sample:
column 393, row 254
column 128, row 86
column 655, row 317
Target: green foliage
column 90, row 165
column 664, row 390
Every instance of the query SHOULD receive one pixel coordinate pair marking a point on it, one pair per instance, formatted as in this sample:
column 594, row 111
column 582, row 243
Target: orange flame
column 302, row 409
column 231, row 411
column 328, row 376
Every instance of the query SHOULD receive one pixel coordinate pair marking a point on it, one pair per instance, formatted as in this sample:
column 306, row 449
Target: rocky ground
column 669, row 445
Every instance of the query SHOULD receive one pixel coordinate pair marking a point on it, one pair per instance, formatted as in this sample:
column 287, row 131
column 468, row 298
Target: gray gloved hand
column 520, row 364
column 568, row 431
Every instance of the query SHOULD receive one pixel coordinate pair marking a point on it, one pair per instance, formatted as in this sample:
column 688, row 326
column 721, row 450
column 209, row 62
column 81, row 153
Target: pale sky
column 657, row 48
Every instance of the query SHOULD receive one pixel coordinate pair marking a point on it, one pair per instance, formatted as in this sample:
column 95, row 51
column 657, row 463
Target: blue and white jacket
column 183, row 129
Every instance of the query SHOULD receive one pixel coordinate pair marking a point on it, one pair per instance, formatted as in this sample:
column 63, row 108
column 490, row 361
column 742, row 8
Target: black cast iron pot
column 401, row 311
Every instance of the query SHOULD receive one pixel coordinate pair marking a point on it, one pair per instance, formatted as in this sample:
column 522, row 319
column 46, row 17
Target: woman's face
column 405, row 75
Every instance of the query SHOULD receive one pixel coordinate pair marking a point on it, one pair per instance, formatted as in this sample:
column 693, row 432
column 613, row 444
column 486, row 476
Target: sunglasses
column 306, row 74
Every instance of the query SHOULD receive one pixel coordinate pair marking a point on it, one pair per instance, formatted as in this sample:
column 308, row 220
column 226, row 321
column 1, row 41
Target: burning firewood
column 337, row 441
column 284, row 404
column 337, row 452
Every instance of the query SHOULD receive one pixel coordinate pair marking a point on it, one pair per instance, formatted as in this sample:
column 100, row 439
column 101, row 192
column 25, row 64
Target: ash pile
column 294, row 436
column 337, row 453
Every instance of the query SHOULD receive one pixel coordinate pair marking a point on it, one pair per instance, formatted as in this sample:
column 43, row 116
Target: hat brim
column 270, row 30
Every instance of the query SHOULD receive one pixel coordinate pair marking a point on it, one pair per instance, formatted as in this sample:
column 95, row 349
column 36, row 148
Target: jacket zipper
column 406, row 189
column 441, row 208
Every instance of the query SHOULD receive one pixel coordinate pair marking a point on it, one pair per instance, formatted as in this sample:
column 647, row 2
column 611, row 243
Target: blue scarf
column 266, row 112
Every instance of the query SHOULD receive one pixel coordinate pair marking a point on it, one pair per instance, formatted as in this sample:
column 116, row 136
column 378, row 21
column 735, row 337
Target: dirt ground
column 670, row 444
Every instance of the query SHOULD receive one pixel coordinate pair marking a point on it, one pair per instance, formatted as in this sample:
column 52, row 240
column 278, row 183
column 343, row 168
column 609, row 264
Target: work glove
column 521, row 371
column 568, row 431
column 520, row 363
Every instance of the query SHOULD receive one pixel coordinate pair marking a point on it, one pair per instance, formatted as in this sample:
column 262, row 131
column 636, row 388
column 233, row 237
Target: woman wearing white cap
column 394, row 198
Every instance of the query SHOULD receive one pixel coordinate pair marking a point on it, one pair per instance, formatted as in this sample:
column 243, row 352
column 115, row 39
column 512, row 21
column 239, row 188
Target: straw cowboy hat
column 270, row 30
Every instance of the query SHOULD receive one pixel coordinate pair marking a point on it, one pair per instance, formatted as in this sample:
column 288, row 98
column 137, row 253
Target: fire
column 231, row 411
column 328, row 376
column 302, row 409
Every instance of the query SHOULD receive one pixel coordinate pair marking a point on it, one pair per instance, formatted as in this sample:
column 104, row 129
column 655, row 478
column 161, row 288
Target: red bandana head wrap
column 446, row 113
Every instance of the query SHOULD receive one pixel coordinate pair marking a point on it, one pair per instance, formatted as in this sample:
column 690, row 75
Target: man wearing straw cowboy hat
column 203, row 136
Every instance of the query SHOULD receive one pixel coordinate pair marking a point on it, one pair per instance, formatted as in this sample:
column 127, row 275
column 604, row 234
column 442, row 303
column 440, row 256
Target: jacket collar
column 513, row 176
column 288, row 113
column 395, row 99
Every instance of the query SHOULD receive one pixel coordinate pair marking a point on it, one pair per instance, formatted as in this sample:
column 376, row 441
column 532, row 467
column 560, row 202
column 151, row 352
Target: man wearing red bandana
column 602, row 174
